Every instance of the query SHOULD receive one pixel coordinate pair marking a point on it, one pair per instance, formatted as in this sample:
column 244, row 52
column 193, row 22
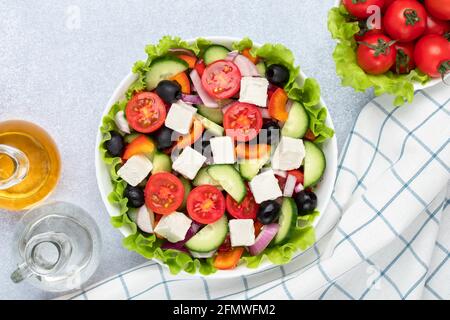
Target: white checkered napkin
column 385, row 234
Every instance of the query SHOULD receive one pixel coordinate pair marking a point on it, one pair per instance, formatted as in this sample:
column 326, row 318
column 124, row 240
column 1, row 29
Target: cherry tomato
column 226, row 245
column 367, row 28
column 376, row 54
column 436, row 26
column 242, row 121
column 200, row 67
column 358, row 8
column 405, row 20
column 299, row 176
column 222, row 79
column 145, row 112
column 439, row 8
column 247, row 209
column 387, row 3
column 205, row 204
column 404, row 60
column 164, row 193
column 432, row 55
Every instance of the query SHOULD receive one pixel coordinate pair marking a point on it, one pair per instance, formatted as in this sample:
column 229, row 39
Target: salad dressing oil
column 23, row 144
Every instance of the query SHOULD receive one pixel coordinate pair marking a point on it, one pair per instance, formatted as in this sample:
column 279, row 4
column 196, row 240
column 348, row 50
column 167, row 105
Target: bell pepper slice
column 140, row 145
column 228, row 260
column 252, row 151
column 246, row 53
column 190, row 60
column 192, row 136
column 277, row 105
column 183, row 81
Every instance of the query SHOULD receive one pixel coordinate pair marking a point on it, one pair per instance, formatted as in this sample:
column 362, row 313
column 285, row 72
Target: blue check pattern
column 385, row 234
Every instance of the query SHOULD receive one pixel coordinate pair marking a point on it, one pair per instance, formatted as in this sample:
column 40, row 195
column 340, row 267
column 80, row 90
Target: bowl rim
column 326, row 188
column 417, row 85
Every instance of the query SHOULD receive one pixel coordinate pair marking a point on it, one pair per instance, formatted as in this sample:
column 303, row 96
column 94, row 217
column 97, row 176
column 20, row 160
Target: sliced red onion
column 289, row 105
column 195, row 227
column 208, row 101
column 191, row 98
column 182, row 51
column 266, row 235
column 280, row 173
column 299, row 188
column 232, row 55
column 265, row 113
column 203, row 254
column 121, row 122
column 246, row 67
column 289, row 186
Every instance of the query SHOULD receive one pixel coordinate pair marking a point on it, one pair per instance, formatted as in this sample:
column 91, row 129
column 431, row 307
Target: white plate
column 417, row 86
column 105, row 186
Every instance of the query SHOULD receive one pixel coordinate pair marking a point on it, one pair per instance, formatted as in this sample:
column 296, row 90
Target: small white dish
column 323, row 191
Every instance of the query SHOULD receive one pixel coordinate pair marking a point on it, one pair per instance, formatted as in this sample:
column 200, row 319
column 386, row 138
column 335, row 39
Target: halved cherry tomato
column 242, row 121
column 205, row 204
column 228, row 260
column 140, row 145
column 309, row 135
column 200, row 67
column 145, row 112
column 183, row 81
column 299, row 176
column 191, row 137
column 222, row 79
column 252, row 151
column 249, row 56
column 277, row 105
column 164, row 193
column 247, row 209
column 190, row 60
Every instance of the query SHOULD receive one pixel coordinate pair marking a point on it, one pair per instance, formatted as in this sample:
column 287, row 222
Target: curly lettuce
column 148, row 245
column 343, row 28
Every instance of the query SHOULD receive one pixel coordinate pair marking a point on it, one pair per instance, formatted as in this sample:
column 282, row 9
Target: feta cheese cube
column 180, row 116
column 242, row 232
column 265, row 186
column 173, row 226
column 189, row 162
column 289, row 154
column 223, row 150
column 254, row 90
column 135, row 170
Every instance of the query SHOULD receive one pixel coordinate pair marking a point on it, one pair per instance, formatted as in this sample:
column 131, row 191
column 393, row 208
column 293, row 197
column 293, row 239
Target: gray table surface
column 61, row 60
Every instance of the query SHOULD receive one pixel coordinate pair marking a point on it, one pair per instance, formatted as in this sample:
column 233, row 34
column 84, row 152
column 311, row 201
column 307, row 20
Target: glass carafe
column 58, row 247
column 29, row 164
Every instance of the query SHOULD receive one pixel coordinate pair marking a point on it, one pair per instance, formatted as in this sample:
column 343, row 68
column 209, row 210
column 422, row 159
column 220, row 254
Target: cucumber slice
column 211, row 126
column 203, row 177
column 315, row 164
column 215, row 52
column 210, row 237
column 213, row 114
column 187, row 189
column 230, row 179
column 250, row 168
column 287, row 220
column 162, row 69
column 261, row 66
column 297, row 122
column 161, row 163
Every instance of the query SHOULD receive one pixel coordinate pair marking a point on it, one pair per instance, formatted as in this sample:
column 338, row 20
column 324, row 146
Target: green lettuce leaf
column 343, row 29
column 245, row 43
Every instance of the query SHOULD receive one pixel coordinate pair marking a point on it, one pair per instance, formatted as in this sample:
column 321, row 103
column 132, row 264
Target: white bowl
column 417, row 86
column 105, row 186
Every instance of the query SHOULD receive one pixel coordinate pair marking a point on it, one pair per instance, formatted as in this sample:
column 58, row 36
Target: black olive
column 163, row 138
column 277, row 75
column 306, row 202
column 272, row 130
column 135, row 196
column 169, row 91
column 269, row 211
column 115, row 145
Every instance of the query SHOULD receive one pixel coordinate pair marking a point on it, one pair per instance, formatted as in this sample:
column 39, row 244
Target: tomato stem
column 382, row 47
column 443, row 69
column 411, row 17
column 358, row 1
column 402, row 60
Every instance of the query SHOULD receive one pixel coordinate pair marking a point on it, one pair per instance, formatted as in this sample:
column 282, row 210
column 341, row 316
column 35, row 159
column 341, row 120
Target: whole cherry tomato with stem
column 405, row 20
column 432, row 55
column 404, row 60
column 376, row 53
column 439, row 8
column 437, row 26
column 361, row 8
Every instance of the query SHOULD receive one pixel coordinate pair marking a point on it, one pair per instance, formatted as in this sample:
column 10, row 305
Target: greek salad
column 391, row 45
column 215, row 154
